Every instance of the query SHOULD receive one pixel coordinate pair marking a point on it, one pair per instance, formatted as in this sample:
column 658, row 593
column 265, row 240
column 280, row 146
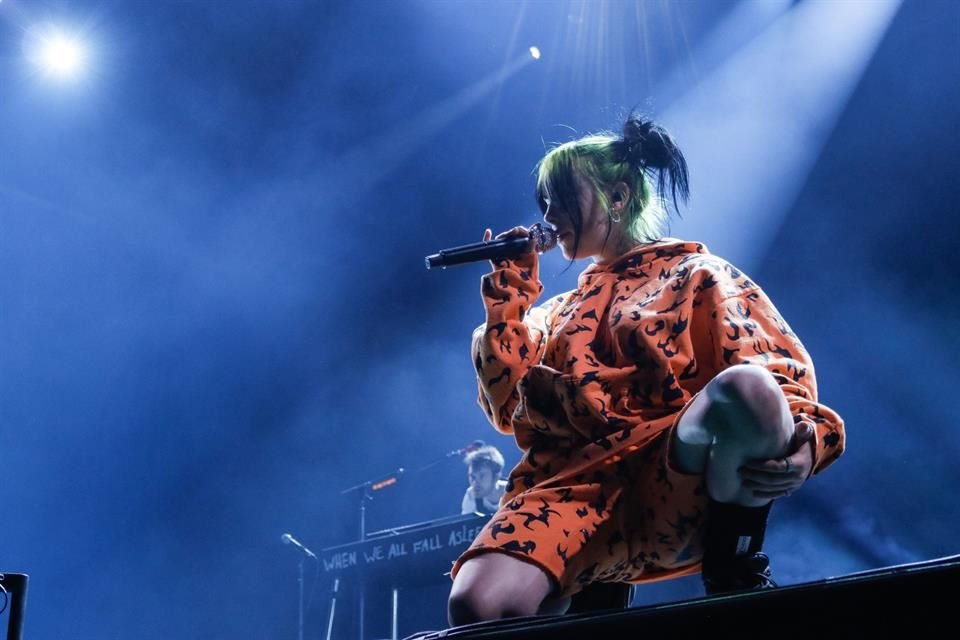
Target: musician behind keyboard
column 484, row 466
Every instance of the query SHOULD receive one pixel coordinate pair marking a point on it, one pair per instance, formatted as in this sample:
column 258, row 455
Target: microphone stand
column 365, row 491
column 300, row 580
column 457, row 452
column 304, row 553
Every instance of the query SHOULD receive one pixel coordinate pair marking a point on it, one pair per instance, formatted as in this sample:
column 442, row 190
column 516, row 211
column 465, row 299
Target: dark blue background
column 214, row 314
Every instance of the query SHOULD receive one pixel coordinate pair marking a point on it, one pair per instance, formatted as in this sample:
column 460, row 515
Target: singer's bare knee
column 495, row 585
column 740, row 415
column 748, row 408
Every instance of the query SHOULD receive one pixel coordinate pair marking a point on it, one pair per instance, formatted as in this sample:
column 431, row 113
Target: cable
column 6, row 596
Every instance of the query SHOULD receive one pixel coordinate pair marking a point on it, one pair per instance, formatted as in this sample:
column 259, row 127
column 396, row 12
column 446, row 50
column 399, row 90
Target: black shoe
column 746, row 573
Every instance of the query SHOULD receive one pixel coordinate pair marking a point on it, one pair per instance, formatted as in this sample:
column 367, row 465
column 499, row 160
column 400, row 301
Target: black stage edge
column 917, row 599
column 15, row 586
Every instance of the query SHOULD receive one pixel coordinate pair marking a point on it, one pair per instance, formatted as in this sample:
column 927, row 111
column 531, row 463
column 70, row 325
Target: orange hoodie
column 591, row 378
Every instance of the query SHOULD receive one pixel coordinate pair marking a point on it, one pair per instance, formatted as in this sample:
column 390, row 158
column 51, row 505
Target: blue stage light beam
column 753, row 127
column 380, row 156
column 742, row 24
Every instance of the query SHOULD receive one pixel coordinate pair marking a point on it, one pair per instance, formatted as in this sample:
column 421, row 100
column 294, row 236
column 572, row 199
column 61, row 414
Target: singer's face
column 594, row 239
column 481, row 480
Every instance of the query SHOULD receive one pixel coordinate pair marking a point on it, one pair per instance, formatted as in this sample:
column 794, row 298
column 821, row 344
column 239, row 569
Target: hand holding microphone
column 509, row 244
column 516, row 232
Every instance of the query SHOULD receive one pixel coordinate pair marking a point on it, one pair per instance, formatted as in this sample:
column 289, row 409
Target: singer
column 661, row 406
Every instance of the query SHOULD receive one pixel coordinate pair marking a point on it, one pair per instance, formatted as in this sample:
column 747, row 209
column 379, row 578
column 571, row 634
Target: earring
column 614, row 215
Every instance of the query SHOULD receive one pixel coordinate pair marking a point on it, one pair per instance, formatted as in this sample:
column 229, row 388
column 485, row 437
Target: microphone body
column 544, row 239
column 289, row 539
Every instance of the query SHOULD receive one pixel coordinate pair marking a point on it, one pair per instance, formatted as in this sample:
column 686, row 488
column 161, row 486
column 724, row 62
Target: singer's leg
column 740, row 415
column 496, row 585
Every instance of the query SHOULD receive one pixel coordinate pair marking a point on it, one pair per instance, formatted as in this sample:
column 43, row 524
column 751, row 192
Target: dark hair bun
column 646, row 143
column 647, row 146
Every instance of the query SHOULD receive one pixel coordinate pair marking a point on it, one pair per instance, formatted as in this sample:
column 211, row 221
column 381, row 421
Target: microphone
column 473, row 446
column 289, row 539
column 544, row 239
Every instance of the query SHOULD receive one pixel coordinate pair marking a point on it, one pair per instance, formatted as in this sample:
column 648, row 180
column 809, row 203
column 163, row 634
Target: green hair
column 604, row 159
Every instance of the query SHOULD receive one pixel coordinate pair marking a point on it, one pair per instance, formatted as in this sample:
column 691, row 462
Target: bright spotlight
column 535, row 53
column 62, row 56
column 57, row 53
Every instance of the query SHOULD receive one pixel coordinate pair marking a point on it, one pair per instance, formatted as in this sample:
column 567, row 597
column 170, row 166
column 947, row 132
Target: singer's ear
column 621, row 193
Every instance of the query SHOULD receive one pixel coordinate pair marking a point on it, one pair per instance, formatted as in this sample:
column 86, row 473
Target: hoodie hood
column 637, row 261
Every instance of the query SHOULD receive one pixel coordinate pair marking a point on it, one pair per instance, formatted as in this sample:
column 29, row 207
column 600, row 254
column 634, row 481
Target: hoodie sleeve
column 512, row 338
column 747, row 328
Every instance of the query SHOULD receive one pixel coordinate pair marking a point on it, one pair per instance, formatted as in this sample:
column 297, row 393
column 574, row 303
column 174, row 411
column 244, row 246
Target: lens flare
column 57, row 53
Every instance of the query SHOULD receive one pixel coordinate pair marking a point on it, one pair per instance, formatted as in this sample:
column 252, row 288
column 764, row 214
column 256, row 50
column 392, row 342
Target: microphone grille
column 544, row 237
